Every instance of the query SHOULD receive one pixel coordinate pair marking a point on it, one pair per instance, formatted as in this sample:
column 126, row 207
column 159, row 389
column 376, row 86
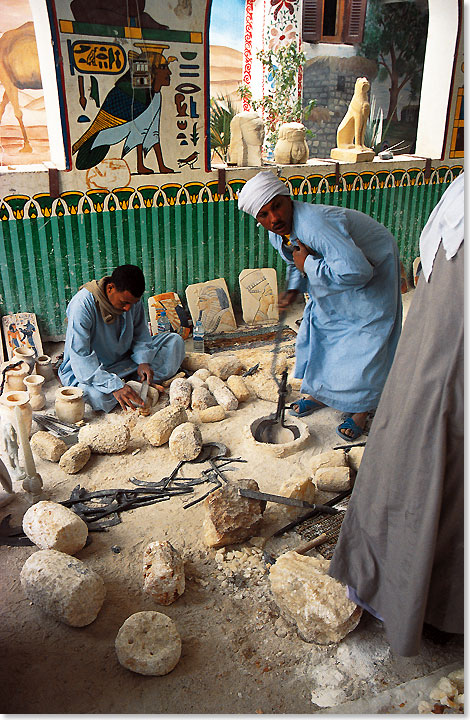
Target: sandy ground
column 238, row 654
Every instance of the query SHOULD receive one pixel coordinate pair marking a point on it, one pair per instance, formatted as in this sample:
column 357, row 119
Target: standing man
column 404, row 561
column 107, row 339
column 349, row 265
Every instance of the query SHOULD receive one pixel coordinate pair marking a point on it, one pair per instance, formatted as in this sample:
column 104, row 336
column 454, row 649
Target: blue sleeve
column 338, row 261
column 142, row 350
column 85, row 364
column 295, row 280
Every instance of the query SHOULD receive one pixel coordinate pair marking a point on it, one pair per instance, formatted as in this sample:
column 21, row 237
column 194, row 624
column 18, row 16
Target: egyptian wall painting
column 135, row 80
column 23, row 125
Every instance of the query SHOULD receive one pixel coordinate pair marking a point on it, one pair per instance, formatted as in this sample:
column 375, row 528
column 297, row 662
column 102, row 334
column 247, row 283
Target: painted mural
column 135, row 79
column 226, row 49
column 23, row 126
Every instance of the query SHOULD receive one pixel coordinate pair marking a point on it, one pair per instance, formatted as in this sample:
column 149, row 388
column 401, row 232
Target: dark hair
column 130, row 278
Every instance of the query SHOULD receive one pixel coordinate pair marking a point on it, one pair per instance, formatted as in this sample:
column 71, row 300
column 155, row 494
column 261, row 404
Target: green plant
column 222, row 110
column 373, row 134
column 283, row 104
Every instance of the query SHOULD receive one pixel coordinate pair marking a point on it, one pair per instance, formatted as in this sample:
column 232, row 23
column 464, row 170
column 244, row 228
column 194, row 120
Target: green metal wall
column 47, row 251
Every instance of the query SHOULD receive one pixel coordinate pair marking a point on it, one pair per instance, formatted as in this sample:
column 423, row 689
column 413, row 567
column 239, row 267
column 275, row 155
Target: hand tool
column 65, row 431
column 331, row 503
column 300, row 549
column 255, row 495
column 144, row 391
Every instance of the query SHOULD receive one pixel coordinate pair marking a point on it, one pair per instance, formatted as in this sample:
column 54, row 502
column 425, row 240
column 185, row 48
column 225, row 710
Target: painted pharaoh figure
column 214, row 309
column 130, row 113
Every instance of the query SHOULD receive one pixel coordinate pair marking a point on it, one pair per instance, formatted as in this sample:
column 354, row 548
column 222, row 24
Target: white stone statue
column 246, row 139
column 351, row 131
column 291, row 147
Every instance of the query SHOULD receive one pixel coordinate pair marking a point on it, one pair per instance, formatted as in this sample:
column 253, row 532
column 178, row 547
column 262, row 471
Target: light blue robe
column 97, row 355
column 352, row 321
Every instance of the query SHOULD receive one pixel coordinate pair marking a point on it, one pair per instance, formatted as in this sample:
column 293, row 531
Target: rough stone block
column 63, row 587
column 180, row 393
column 212, row 414
column 238, row 387
column 106, row 438
column 222, row 393
column 202, row 398
column 299, row 487
column 331, row 458
column 196, row 382
column 75, row 458
column 167, row 383
column 223, row 365
column 231, row 518
column 263, row 386
column 163, row 568
column 148, row 643
column 316, row 602
column 202, row 373
column 355, row 457
column 195, row 361
column 47, row 446
column 333, row 479
column 54, row 527
column 158, row 428
column 185, row 441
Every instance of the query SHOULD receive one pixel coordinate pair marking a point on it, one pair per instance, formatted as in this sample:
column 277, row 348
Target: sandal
column 305, row 407
column 349, row 424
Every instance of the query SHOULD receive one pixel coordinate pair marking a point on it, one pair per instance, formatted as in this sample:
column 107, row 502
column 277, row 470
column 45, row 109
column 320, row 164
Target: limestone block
column 212, row 414
column 331, row 458
column 354, row 457
column 316, row 602
column 300, row 487
column 158, row 428
column 164, row 577
column 238, row 387
column 63, row 586
column 202, row 399
column 196, row 382
column 185, row 441
column 47, row 446
column 167, row 383
column 202, row 373
column 54, row 527
column 180, row 393
column 152, row 396
column 148, row 643
column 195, row 361
column 222, row 393
column 333, row 479
column 263, row 386
column 223, row 365
column 75, row 458
column 105, row 439
column 231, row 518
column 295, row 383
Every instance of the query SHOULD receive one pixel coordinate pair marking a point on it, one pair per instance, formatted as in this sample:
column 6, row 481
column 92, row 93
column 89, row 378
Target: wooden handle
column 319, row 540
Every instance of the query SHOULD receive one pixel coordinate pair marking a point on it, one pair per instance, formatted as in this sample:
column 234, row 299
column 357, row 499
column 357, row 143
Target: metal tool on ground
column 251, row 371
column 295, row 502
column 313, row 513
column 300, row 549
column 348, row 447
column 207, row 453
column 66, row 431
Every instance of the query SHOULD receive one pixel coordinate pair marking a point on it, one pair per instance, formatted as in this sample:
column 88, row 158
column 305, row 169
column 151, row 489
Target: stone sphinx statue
column 351, row 130
column 291, row 147
column 246, row 139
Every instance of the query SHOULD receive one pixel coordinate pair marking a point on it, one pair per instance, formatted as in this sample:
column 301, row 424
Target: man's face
column 276, row 215
column 161, row 76
column 120, row 299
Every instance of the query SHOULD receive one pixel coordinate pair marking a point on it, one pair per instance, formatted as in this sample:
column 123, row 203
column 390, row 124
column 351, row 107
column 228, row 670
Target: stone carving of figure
column 246, row 139
column 291, row 147
column 11, row 447
column 351, row 130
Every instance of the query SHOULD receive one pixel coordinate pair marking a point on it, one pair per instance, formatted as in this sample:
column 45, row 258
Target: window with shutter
column 333, row 21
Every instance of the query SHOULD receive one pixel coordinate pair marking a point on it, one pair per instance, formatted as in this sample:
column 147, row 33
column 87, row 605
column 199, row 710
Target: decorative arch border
column 21, row 207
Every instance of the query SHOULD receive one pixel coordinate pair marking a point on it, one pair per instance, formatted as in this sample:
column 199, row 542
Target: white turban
column 259, row 190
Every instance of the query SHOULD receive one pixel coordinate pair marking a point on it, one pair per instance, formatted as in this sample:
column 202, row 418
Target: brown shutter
column 312, row 11
column 354, row 18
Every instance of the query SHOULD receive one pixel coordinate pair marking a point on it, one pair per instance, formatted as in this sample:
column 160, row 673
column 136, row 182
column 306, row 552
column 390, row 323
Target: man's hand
column 287, row 298
column 128, row 398
column 145, row 372
column 300, row 253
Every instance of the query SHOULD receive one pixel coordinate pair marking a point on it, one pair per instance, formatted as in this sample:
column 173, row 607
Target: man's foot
column 352, row 427
column 305, row 406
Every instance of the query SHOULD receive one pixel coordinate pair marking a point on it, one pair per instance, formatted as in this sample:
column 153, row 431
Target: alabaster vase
column 44, row 367
column 13, row 399
column 69, row 404
column 15, row 377
column 27, row 355
column 34, row 384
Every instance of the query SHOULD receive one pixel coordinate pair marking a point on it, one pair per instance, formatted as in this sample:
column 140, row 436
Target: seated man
column 349, row 265
column 108, row 339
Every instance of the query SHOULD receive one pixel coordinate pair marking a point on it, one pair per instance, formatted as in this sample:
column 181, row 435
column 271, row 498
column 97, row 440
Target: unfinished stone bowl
column 280, row 449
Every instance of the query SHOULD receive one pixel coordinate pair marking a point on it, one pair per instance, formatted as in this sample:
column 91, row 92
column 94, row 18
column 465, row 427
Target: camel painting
column 19, row 70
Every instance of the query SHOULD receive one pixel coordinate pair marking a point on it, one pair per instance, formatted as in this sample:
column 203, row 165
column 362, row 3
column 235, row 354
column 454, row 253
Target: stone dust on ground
column 238, row 654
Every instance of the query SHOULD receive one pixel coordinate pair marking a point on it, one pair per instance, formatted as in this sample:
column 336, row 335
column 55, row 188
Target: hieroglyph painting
column 210, row 302
column 21, row 329
column 258, row 291
column 135, row 82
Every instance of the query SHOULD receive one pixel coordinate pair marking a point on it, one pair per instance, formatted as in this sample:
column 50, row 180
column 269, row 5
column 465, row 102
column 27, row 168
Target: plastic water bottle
column 198, row 336
column 163, row 323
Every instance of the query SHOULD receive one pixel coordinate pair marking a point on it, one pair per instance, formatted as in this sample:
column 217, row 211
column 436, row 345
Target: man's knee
column 98, row 400
column 169, row 355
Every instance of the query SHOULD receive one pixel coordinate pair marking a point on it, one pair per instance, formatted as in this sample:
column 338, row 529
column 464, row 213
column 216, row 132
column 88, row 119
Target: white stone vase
column 15, row 377
column 44, row 367
column 34, row 384
column 27, row 355
column 69, row 404
column 13, row 399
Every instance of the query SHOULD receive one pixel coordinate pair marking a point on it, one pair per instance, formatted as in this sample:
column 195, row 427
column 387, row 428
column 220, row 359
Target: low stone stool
column 51, row 526
column 148, row 643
